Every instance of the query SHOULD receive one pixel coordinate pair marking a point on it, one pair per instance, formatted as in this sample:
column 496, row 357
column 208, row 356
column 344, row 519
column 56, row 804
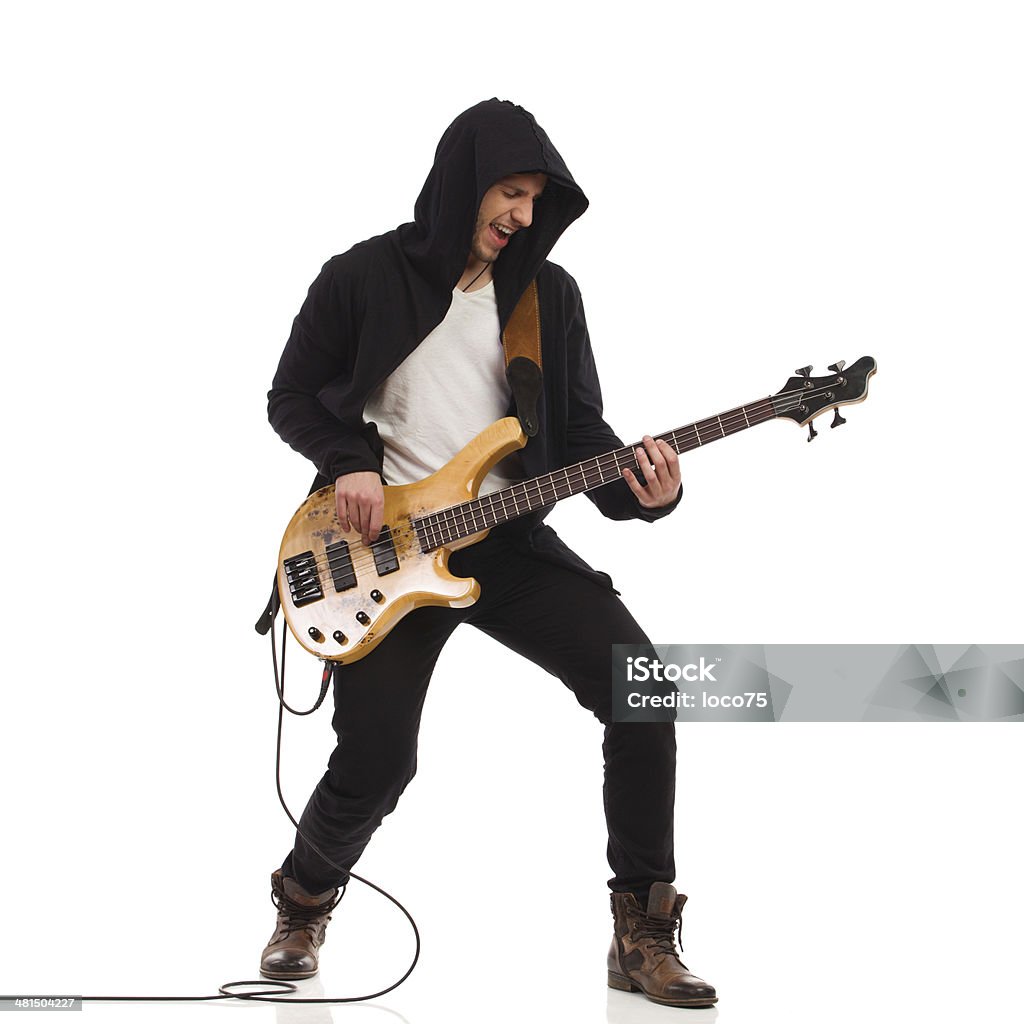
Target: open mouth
column 500, row 234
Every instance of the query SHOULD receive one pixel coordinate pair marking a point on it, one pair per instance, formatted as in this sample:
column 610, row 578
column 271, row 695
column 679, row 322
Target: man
column 393, row 364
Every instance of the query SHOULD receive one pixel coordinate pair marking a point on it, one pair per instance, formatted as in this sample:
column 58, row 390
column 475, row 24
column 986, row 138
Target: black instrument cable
column 266, row 988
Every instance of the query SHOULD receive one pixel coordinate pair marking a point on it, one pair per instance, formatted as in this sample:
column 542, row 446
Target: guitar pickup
column 339, row 560
column 303, row 579
column 384, row 555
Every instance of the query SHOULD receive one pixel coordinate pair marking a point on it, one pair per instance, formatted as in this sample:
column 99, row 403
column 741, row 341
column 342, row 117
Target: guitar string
column 445, row 528
column 434, row 525
column 504, row 505
column 461, row 517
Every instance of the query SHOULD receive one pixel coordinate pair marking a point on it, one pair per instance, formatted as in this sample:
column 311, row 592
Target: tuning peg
column 805, row 371
column 811, row 432
column 837, row 366
column 838, row 421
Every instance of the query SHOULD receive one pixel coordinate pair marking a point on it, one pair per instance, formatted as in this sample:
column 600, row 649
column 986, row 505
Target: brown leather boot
column 643, row 954
column 301, row 925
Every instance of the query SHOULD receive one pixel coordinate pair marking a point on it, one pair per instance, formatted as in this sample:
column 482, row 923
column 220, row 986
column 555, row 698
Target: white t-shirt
column 448, row 389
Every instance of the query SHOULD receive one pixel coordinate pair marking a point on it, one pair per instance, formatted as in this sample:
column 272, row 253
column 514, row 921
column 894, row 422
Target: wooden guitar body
column 340, row 597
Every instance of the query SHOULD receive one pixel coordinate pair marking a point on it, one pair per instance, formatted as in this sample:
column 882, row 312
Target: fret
column 454, row 527
column 534, row 501
column 492, row 511
column 445, row 523
column 709, row 428
column 524, row 498
column 495, row 512
column 523, row 504
column 487, row 511
column 439, row 526
column 538, row 501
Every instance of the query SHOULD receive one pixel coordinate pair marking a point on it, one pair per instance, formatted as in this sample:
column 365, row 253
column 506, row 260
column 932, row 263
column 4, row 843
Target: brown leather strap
column 521, row 341
column 521, row 336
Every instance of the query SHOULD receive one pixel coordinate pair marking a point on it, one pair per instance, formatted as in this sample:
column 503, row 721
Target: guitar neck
column 451, row 524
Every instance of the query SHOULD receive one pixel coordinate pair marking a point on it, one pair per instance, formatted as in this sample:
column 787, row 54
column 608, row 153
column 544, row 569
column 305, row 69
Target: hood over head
column 481, row 146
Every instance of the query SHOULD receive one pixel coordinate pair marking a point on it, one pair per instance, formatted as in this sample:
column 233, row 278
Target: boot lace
column 295, row 917
column 660, row 933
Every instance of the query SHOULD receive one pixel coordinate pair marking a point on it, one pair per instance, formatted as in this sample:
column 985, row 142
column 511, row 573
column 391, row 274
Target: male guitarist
column 394, row 362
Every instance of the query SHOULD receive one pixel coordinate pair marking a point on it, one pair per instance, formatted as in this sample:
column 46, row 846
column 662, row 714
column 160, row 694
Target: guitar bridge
column 303, row 579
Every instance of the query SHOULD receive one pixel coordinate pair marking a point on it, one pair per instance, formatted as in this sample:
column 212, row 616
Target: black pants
column 551, row 615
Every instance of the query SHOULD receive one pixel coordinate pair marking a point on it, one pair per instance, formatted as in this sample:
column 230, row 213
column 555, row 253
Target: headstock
column 804, row 397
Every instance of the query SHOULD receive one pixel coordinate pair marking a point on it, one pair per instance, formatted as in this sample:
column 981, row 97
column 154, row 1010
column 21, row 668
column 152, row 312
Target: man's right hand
column 360, row 502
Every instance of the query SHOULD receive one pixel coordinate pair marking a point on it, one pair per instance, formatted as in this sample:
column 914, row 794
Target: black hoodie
column 371, row 306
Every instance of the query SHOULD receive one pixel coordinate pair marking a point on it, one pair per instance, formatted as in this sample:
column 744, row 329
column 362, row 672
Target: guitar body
column 340, row 597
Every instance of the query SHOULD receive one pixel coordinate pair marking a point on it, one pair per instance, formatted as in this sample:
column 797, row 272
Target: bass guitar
column 341, row 597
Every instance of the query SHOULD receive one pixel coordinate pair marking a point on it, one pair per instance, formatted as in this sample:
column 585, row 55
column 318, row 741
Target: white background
column 771, row 185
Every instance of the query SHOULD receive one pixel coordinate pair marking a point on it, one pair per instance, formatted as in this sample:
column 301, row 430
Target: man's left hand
column 660, row 466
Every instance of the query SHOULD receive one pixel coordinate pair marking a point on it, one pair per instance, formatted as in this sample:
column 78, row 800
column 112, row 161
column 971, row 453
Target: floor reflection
column 321, row 1013
column 634, row 1008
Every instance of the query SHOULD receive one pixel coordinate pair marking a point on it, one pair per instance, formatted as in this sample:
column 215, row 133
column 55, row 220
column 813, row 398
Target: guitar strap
column 521, row 341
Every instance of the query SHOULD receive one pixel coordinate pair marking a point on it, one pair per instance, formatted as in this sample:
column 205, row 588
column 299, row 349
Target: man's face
column 507, row 207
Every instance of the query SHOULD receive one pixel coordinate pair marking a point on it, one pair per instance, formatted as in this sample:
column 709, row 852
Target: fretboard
column 457, row 521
